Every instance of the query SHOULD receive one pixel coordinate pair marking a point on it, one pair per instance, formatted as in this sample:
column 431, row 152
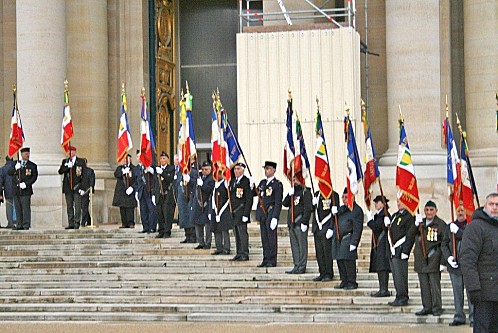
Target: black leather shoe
column 263, row 264
column 326, row 279
column 67, row 228
column 235, row 258
column 184, row 241
column 271, row 265
column 437, row 313
column 207, row 247
column 423, row 312
column 398, row 302
column 199, row 247
column 160, row 236
column 215, row 253
column 381, row 293
column 243, row 259
column 301, row 271
column 143, row 231
column 351, row 286
column 291, row 271
column 226, row 252
column 456, row 323
column 318, row 278
column 340, row 286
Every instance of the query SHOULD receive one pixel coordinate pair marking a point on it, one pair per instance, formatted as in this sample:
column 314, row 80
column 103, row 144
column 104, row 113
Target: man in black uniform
column 124, row 196
column 451, row 255
column 380, row 253
column 200, row 207
column 25, row 175
column 72, row 168
column 428, row 262
column 400, row 225
column 87, row 185
column 323, row 230
column 479, row 262
column 165, row 202
column 220, row 215
column 241, row 198
column 300, row 205
column 268, row 213
column 345, row 246
column 7, row 188
column 144, row 194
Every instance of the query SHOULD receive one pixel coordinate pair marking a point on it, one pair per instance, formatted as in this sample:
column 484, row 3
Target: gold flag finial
column 289, row 94
column 446, row 106
column 188, row 89
column 143, row 91
column 459, row 124
column 122, row 87
column 14, row 88
column 317, row 104
column 346, row 108
column 66, row 84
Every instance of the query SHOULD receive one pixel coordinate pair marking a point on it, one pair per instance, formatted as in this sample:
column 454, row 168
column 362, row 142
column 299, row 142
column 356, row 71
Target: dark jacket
column 201, row 204
column 380, row 253
column 164, row 183
column 323, row 213
column 71, row 180
column 121, row 199
column 242, row 198
column 145, row 182
column 7, row 185
column 88, row 180
column 402, row 222
column 271, row 195
column 303, row 206
column 447, row 246
column 220, row 206
column 432, row 238
column 27, row 174
column 350, row 230
column 479, row 256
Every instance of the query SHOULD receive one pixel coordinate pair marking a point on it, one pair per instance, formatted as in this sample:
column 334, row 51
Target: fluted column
column 41, row 70
column 481, row 84
column 87, row 73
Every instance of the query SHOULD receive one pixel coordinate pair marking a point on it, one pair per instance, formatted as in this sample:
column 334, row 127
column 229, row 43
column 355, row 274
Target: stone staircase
column 110, row 274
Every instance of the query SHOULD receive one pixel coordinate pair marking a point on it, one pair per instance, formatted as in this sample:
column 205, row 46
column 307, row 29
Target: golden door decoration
column 165, row 76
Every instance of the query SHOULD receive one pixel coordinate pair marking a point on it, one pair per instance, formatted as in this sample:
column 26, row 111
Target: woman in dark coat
column 379, row 255
column 124, row 195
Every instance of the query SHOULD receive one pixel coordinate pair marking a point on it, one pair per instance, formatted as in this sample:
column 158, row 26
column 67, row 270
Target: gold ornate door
column 165, row 72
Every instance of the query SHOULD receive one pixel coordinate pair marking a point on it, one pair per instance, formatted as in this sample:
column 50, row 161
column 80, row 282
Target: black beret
column 430, row 203
column 206, row 164
column 163, row 153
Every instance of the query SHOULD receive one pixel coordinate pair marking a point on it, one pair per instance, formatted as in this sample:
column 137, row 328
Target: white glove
column 273, row 223
column 315, row 201
column 369, row 216
column 159, row 170
column 329, row 234
column 404, row 256
column 387, row 221
column 125, row 170
column 245, row 219
column 129, row 190
column 334, row 210
column 442, row 268
column 18, row 166
column 175, row 177
column 150, row 170
column 186, row 178
column 291, row 191
column 454, row 229
column 418, row 219
column 22, row 185
column 136, row 196
column 69, row 164
column 209, row 217
column 304, row 227
column 81, row 192
column 452, row 262
column 251, row 182
column 199, row 182
column 154, row 200
column 352, row 248
column 218, row 219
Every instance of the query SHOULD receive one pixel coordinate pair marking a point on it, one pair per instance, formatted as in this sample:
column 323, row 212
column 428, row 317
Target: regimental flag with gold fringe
column 219, row 146
column 322, row 167
column 354, row 173
column 186, row 138
column 67, row 123
column 16, row 140
column 405, row 174
column 453, row 172
column 124, row 137
column 146, row 136
column 371, row 165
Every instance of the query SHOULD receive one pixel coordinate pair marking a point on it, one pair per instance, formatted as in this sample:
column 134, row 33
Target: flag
column 289, row 150
column 67, row 123
column 16, row 133
column 453, row 173
column 371, row 165
column 467, row 188
column 146, row 137
column 186, row 140
column 124, row 137
column 354, row 173
column 322, row 167
column 220, row 151
column 301, row 161
column 234, row 148
column 405, row 174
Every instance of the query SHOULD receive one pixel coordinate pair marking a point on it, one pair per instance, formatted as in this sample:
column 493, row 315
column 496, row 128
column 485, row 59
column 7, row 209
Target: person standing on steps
column 72, row 169
column 124, row 194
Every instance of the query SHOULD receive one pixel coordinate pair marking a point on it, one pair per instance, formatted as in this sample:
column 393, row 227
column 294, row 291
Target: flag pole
column 14, row 91
column 292, row 165
column 463, row 140
column 218, row 99
column 66, row 103
column 451, row 191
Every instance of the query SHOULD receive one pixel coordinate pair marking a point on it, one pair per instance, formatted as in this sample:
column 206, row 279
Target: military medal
column 296, row 200
column 269, row 191
column 239, row 192
column 28, row 172
column 326, row 204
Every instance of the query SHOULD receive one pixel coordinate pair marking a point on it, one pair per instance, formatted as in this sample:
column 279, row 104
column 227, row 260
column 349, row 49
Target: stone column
column 41, row 70
column 414, row 48
column 481, row 84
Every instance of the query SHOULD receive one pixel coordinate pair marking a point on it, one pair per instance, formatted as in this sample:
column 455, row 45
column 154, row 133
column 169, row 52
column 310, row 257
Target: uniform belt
column 325, row 219
column 239, row 207
column 398, row 243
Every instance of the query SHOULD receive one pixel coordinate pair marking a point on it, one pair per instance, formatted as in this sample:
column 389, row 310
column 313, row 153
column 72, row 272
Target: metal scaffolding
column 251, row 13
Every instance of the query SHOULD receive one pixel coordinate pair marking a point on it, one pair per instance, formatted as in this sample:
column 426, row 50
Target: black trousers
column 269, row 242
column 486, row 317
column 347, row 271
column 399, row 269
column 85, row 214
column 73, row 207
column 430, row 291
column 241, row 240
column 165, row 213
column 127, row 216
column 323, row 250
column 23, row 211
